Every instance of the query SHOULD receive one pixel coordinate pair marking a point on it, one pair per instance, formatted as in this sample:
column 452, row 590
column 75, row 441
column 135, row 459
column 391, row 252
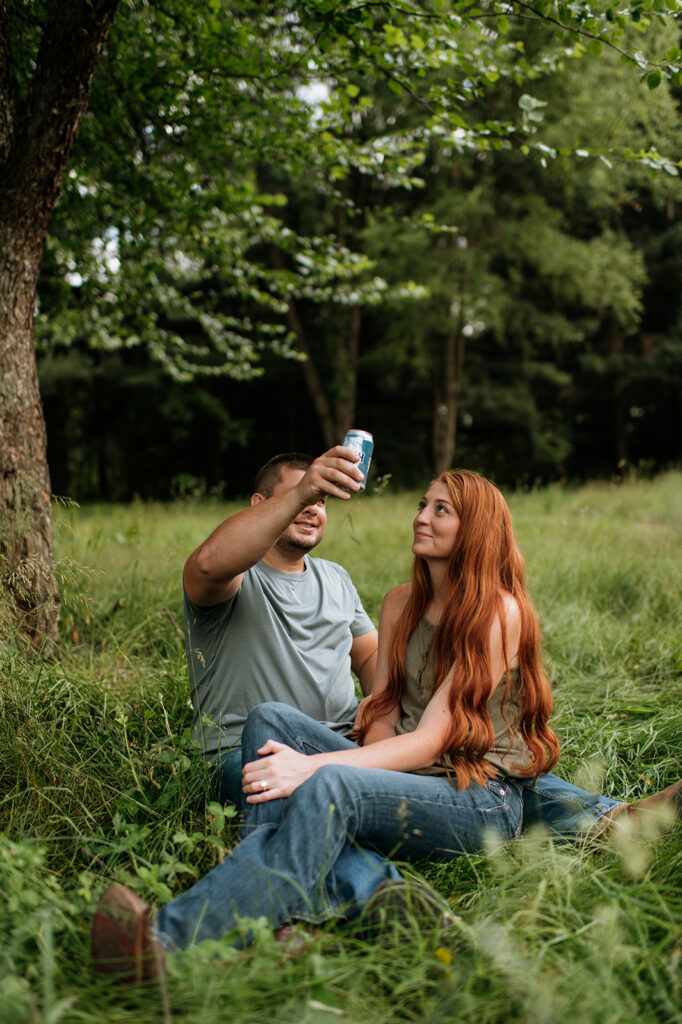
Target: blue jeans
column 565, row 809
column 283, row 865
column 230, row 777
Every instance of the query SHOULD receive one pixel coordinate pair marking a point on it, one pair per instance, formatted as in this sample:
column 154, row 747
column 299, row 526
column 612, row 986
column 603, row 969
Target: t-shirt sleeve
column 204, row 627
column 361, row 622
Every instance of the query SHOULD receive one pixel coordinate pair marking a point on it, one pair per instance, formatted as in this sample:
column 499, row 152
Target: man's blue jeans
column 358, row 871
column 283, row 865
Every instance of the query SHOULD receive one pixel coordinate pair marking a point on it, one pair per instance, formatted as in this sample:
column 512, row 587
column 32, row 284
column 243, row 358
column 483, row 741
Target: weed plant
column 99, row 782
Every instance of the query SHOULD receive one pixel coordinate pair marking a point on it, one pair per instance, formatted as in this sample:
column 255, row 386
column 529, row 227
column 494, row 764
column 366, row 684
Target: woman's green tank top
column 508, row 753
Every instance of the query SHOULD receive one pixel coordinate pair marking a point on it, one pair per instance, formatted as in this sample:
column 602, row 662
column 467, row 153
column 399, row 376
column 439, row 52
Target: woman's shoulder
column 512, row 612
column 395, row 600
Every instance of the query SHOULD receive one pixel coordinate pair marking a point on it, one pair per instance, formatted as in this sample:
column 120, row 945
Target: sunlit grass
column 98, row 781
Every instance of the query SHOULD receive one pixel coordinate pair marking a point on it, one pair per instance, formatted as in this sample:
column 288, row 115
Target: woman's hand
column 277, row 773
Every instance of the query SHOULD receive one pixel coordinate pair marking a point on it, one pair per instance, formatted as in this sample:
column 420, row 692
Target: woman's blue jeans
column 566, row 810
column 284, row 863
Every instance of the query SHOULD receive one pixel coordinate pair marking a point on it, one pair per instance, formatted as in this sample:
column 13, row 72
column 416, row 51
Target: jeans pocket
column 510, row 803
column 499, row 789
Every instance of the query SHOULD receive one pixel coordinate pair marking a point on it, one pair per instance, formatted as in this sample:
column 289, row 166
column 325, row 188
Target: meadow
column 99, row 782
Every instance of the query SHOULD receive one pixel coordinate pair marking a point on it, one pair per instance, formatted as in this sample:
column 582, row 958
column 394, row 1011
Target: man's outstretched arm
column 213, row 572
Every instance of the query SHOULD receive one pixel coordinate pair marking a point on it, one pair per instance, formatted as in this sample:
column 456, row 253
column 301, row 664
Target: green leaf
column 654, row 79
column 395, row 36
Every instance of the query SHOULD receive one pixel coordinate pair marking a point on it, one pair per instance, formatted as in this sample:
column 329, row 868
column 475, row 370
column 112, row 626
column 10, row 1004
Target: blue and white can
column 362, row 443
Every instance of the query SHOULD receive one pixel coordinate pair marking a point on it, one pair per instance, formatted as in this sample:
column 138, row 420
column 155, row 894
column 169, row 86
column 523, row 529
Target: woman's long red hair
column 484, row 562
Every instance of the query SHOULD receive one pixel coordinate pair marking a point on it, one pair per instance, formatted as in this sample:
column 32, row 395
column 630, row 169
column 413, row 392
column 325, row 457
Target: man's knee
column 332, row 786
column 273, row 718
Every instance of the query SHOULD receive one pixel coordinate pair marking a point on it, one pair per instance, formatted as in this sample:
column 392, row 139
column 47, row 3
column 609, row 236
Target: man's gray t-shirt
column 282, row 636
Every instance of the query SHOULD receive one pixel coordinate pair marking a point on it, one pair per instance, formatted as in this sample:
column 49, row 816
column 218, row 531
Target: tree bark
column 447, row 382
column 347, row 375
column 36, row 140
column 311, row 376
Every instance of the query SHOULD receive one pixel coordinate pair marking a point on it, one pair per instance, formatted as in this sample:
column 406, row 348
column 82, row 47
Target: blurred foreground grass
column 98, row 781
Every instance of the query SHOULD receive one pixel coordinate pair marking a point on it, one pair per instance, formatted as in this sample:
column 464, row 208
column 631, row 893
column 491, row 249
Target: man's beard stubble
column 291, row 546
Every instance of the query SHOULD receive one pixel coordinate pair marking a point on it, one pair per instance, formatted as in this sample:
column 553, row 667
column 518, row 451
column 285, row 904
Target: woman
column 458, row 715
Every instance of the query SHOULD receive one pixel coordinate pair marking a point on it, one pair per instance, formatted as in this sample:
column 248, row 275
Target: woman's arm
column 392, row 608
column 286, row 769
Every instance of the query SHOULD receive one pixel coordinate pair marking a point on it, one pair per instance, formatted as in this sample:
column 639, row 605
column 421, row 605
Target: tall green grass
column 99, row 781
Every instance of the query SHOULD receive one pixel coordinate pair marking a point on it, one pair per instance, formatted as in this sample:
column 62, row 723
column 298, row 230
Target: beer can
column 362, row 443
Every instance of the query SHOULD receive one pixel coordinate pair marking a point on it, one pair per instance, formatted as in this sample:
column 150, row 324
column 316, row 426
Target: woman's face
column 436, row 523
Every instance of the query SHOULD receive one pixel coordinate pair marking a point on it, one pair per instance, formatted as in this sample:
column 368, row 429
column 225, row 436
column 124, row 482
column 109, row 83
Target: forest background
column 457, row 228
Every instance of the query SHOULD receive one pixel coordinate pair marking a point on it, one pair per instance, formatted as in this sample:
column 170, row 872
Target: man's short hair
column 269, row 475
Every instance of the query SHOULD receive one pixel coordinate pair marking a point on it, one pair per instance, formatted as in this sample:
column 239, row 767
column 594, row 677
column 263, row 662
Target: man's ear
column 257, row 498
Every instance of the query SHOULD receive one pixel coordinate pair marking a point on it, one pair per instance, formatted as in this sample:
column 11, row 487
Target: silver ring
column 263, row 784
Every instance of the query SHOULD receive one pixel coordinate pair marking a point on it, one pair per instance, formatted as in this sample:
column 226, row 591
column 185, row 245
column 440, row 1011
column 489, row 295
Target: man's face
column 307, row 529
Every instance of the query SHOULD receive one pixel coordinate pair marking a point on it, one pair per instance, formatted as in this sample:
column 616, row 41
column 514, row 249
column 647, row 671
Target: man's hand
column 213, row 572
column 333, row 474
column 278, row 772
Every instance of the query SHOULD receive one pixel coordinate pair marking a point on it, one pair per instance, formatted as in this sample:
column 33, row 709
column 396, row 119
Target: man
column 264, row 622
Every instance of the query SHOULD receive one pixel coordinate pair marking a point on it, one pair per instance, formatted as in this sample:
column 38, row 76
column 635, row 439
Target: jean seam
column 568, row 800
column 301, row 741
column 440, row 806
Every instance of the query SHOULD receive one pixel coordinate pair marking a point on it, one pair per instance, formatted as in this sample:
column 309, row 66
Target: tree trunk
column 347, row 375
column 36, row 140
column 447, row 381
column 311, row 376
column 614, row 348
column 25, row 535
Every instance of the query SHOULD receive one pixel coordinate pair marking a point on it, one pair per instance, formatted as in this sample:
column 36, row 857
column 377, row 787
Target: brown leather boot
column 121, row 939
